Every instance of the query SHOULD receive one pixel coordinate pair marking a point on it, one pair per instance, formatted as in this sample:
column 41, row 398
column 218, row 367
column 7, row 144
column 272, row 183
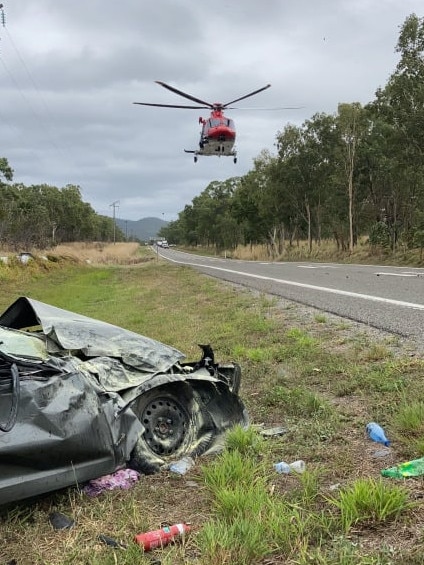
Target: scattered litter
column 182, row 466
column 60, row 522
column 336, row 486
column 381, row 453
column 192, row 484
column 110, row 541
column 376, row 433
column 123, row 479
column 286, row 468
column 277, row 431
column 414, row 468
column 25, row 257
column 164, row 536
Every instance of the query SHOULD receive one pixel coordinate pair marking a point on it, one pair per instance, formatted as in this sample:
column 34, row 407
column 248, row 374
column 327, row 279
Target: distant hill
column 143, row 229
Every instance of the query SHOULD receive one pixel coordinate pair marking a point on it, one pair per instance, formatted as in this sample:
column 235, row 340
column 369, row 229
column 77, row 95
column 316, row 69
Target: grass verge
column 310, row 376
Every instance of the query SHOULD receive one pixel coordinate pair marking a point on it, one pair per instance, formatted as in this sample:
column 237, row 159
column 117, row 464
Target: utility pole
column 2, row 16
column 114, row 205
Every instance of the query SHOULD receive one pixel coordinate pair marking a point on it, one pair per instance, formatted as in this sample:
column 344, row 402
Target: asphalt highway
column 384, row 297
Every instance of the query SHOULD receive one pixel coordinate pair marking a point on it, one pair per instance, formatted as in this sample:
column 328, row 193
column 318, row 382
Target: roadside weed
column 370, row 501
column 410, row 418
column 320, row 318
column 245, row 441
column 230, row 468
column 238, row 543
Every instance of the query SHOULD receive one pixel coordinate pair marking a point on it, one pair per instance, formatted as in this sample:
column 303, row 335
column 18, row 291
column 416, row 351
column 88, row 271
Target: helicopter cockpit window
column 214, row 122
column 230, row 124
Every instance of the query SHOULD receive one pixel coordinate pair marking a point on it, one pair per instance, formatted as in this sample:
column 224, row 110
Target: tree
column 5, row 170
column 352, row 126
column 401, row 105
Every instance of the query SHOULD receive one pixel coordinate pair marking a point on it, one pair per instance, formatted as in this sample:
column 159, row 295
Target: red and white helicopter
column 218, row 133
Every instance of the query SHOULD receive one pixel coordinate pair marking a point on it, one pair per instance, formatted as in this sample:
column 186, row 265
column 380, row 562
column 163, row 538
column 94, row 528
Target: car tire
column 176, row 423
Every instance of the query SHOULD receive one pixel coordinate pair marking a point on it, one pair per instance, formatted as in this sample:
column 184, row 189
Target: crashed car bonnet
column 81, row 398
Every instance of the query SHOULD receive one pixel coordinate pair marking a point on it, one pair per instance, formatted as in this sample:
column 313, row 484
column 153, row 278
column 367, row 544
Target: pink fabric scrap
column 122, row 479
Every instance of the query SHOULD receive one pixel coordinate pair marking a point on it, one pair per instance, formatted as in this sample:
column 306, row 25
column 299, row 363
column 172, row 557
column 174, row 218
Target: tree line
column 41, row 216
column 359, row 171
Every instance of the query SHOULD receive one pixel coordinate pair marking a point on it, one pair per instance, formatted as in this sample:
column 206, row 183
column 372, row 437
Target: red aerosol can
column 162, row 537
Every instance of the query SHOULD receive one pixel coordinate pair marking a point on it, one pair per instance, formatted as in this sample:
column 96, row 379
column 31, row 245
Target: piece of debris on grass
column 60, row 522
column 122, row 479
column 111, row 542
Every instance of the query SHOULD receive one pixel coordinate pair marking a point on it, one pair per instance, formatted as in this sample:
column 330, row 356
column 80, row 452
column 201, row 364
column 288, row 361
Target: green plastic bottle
column 413, row 468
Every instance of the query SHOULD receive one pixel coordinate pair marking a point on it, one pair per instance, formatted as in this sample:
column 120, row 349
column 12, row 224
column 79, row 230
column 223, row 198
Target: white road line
column 370, row 297
column 316, row 267
column 408, row 274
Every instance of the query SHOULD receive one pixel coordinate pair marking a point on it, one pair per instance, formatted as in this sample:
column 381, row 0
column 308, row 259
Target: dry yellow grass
column 120, row 252
column 326, row 251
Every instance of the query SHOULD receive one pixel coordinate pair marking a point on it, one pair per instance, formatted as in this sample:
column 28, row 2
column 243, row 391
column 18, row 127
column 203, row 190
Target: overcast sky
column 71, row 69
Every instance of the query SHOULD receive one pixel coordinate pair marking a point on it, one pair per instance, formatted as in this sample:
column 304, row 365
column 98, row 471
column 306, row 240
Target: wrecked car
column 81, row 398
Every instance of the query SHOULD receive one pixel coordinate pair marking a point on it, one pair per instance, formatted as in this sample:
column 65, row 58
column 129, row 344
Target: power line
column 35, row 113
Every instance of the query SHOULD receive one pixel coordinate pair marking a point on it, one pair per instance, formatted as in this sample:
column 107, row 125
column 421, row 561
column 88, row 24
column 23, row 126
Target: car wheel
column 175, row 424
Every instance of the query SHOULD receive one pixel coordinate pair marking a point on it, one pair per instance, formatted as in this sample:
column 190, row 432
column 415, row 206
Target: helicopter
column 218, row 133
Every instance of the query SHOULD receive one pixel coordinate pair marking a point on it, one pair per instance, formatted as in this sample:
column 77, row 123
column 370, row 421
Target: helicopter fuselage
column 217, row 136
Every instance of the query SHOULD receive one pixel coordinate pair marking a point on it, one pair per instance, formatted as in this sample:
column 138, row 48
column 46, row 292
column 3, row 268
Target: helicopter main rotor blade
column 246, row 96
column 170, row 106
column 265, row 109
column 184, row 95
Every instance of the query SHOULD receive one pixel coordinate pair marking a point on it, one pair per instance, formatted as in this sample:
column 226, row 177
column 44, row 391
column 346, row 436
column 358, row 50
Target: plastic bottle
column 286, row 468
column 376, row 433
column 182, row 466
column 160, row 538
column 413, row 468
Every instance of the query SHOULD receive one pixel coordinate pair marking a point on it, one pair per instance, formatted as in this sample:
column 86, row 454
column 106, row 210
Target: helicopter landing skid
column 196, row 153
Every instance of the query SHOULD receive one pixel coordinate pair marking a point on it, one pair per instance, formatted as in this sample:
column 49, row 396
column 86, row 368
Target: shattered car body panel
column 80, row 398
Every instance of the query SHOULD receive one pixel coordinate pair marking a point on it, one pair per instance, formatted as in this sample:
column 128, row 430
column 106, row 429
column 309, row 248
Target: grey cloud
column 71, row 71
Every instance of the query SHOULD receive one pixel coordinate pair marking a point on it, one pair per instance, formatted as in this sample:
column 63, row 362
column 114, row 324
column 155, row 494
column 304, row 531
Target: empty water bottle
column 182, row 466
column 286, row 468
column 376, row 433
column 282, row 467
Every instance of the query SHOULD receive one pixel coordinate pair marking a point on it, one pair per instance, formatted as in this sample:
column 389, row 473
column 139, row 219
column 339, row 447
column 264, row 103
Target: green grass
column 320, row 381
column 244, row 441
column 370, row 501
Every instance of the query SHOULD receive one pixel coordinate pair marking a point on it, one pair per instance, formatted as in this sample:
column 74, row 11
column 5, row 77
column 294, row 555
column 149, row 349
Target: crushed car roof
column 93, row 338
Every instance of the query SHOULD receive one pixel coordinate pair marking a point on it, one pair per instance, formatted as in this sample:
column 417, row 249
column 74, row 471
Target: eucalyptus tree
column 6, row 198
column 212, row 209
column 245, row 210
column 306, row 162
column 6, row 171
column 187, row 224
column 401, row 105
column 271, row 198
column 292, row 179
column 353, row 125
column 321, row 142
